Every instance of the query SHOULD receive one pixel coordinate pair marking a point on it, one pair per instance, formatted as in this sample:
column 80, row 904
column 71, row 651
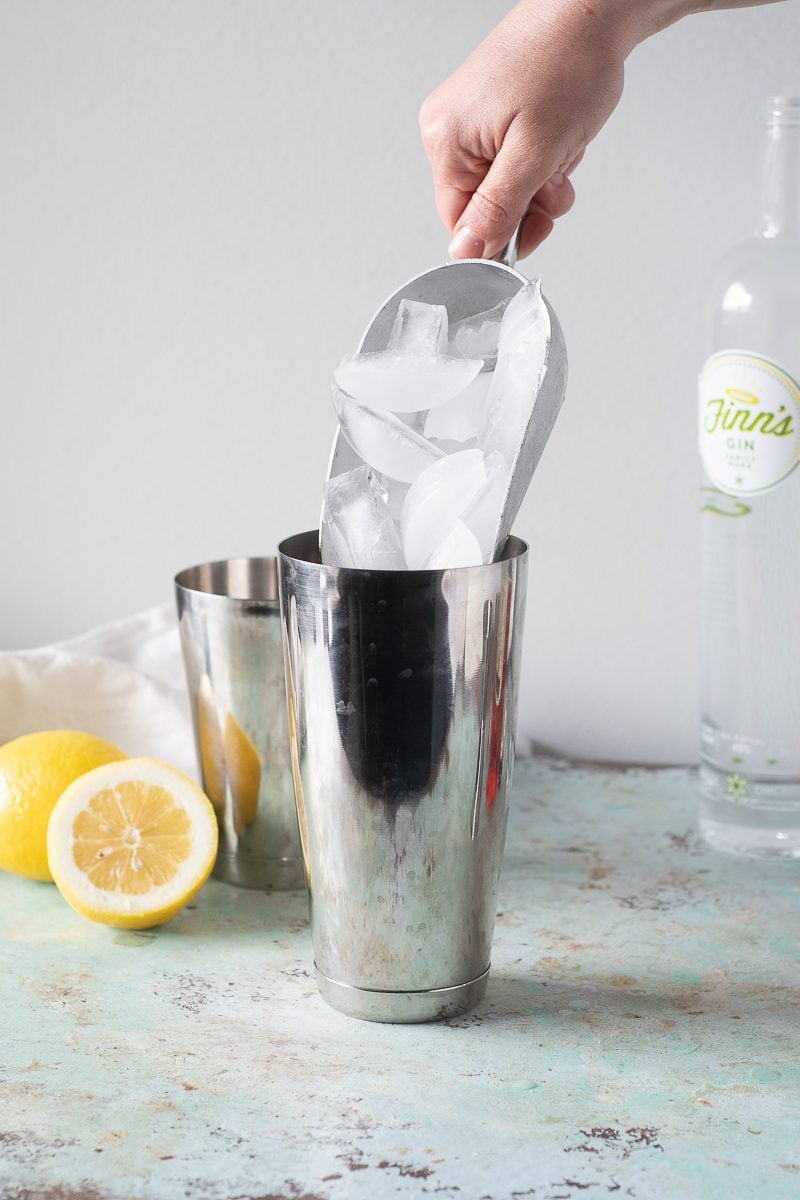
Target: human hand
column 504, row 131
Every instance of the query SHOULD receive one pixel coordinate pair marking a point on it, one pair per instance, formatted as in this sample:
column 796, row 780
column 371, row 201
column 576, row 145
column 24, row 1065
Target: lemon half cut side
column 130, row 843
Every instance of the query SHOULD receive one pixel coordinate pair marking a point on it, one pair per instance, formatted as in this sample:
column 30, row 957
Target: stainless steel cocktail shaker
column 402, row 691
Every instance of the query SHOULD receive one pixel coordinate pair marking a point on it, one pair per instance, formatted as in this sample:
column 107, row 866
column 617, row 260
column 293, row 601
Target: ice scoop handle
column 508, row 255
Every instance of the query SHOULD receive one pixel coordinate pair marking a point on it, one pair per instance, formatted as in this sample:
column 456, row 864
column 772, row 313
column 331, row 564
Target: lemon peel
column 34, row 771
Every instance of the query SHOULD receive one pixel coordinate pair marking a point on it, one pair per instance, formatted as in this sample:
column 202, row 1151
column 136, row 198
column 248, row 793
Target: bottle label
column 749, row 422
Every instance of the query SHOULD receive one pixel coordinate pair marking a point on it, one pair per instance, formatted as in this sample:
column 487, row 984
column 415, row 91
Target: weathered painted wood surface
column 639, row 1038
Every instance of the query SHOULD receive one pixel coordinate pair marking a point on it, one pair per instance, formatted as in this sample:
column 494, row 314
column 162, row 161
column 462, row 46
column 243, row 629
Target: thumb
column 497, row 205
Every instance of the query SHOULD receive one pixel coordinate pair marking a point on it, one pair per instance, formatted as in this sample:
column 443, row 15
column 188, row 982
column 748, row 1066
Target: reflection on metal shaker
column 230, row 632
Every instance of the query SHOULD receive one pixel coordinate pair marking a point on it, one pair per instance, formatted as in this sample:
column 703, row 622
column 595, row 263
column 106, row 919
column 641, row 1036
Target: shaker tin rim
column 297, row 546
column 210, row 583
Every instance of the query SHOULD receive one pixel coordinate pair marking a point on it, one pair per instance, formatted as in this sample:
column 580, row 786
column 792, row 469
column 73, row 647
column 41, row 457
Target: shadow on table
column 645, row 1008
column 222, row 912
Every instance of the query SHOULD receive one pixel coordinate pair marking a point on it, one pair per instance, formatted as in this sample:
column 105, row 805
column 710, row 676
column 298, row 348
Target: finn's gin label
column 749, row 422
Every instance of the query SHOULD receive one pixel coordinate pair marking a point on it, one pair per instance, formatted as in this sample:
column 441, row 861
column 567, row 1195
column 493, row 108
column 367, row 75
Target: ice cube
column 477, row 337
column 524, row 325
column 518, row 375
column 435, row 502
column 459, row 548
column 357, row 530
column 482, row 516
column 395, row 495
column 394, row 382
column 461, row 418
column 450, row 447
column 419, row 329
column 383, row 441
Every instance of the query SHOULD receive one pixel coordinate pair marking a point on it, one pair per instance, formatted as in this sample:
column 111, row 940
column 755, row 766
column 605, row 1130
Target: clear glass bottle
column 749, row 430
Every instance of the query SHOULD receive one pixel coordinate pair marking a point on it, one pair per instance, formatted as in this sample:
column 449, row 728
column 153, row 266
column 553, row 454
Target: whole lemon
column 34, row 771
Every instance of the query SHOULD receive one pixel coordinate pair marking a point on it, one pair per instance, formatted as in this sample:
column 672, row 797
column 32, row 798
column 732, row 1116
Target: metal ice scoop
column 468, row 287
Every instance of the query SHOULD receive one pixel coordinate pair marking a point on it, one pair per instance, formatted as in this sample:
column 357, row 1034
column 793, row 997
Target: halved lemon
column 131, row 842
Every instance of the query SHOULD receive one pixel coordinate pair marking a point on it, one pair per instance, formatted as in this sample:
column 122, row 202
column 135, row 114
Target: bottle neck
column 780, row 208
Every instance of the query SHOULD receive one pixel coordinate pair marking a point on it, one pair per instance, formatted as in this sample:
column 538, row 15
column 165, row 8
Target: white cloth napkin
column 123, row 682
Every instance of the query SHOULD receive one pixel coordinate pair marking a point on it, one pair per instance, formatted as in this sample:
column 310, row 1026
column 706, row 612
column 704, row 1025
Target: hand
column 505, row 130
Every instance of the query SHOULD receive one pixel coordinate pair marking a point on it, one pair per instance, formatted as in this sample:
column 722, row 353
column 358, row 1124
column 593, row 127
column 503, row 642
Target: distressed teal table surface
column 639, row 1037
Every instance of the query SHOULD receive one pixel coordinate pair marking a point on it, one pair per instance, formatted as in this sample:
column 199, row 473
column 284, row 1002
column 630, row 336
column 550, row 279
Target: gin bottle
column 749, row 431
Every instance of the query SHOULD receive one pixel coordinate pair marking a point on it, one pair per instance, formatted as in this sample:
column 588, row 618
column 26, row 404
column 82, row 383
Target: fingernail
column 559, row 179
column 466, row 244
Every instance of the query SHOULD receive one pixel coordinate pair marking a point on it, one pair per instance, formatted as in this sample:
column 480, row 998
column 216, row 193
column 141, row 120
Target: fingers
column 454, row 181
column 536, row 226
column 575, row 162
column 556, row 196
column 553, row 200
column 456, row 168
column 495, row 206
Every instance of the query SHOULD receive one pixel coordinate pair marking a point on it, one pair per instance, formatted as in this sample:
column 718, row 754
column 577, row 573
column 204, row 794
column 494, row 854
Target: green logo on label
column 726, row 413
column 749, row 422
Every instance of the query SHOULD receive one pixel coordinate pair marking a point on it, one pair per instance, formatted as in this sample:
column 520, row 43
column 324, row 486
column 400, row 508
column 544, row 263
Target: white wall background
column 201, row 204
